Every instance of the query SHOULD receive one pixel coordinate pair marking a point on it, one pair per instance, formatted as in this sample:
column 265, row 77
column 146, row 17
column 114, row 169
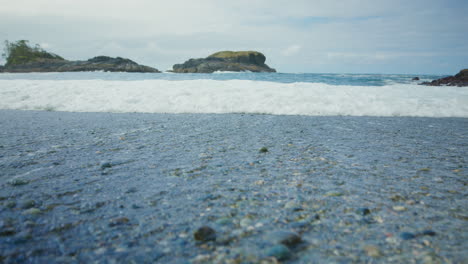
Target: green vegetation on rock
column 21, row 57
column 20, row 52
column 233, row 54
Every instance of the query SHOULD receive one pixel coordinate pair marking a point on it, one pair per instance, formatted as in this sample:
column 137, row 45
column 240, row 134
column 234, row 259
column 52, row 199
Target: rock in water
column 236, row 61
column 23, row 58
column 460, row 79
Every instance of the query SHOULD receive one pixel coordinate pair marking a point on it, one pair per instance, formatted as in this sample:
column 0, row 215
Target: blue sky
column 324, row 36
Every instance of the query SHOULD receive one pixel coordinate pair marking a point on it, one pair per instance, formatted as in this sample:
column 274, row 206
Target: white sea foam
column 233, row 96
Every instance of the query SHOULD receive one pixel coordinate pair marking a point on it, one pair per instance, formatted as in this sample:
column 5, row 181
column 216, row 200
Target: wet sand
column 117, row 188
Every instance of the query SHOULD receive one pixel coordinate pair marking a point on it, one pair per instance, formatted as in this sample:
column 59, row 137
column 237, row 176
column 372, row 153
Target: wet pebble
column 10, row 204
column 28, row 204
column 280, row 252
column 224, row 221
column 18, row 182
column 399, row 208
column 363, row 211
column 204, row 234
column 106, row 165
column 132, row 190
column 32, row 211
column 246, row 222
column 118, row 221
column 287, row 238
column 292, row 205
column 428, row 232
column 407, row 236
column 372, row 251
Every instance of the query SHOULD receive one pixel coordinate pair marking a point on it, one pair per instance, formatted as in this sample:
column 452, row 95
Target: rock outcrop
column 460, row 79
column 100, row 63
column 236, row 61
column 23, row 58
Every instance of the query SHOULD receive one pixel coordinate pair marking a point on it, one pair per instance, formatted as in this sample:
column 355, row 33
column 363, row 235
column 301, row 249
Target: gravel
column 232, row 188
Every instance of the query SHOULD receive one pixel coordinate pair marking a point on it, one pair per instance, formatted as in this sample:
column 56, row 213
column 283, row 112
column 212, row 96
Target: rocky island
column 460, row 79
column 21, row 57
column 236, row 61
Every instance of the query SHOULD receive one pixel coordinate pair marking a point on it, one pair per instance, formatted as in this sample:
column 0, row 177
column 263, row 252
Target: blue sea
column 230, row 92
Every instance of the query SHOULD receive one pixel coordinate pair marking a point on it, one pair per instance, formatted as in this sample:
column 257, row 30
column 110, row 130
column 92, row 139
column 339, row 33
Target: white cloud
column 162, row 33
column 292, row 50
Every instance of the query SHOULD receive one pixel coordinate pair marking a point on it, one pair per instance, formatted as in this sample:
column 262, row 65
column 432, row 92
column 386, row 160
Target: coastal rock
column 99, row 63
column 460, row 79
column 236, row 61
column 23, row 58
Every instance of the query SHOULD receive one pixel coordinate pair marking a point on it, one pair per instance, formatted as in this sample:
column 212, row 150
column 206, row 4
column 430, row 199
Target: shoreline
column 81, row 186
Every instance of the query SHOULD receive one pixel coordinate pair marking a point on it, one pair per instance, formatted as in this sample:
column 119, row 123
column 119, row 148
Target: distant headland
column 235, row 61
column 21, row 57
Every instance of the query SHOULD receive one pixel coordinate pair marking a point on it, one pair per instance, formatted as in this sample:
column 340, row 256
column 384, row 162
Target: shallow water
column 135, row 187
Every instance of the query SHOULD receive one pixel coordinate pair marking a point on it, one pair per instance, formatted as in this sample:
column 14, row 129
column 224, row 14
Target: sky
column 316, row 36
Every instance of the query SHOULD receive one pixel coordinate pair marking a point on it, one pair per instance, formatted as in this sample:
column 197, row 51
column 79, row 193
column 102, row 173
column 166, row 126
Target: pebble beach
column 231, row 188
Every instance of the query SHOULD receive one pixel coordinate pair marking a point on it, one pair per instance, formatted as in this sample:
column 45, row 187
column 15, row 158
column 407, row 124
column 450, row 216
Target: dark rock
column 460, row 79
column 428, row 233
column 287, row 238
column 106, row 165
column 415, row 79
column 363, row 211
column 407, row 236
column 204, row 234
column 28, row 204
column 118, row 221
column 263, row 150
column 226, row 61
column 23, row 58
column 100, row 63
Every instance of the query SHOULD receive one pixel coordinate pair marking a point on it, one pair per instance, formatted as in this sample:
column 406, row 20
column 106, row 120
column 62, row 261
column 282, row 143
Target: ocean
column 255, row 93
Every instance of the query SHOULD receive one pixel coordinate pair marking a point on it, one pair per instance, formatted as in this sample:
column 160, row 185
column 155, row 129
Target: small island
column 21, row 57
column 235, row 61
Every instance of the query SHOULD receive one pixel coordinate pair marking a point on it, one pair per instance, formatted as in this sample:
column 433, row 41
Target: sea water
column 256, row 93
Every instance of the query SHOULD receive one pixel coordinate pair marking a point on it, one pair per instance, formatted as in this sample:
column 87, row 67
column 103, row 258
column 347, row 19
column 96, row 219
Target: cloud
column 326, row 33
column 292, row 50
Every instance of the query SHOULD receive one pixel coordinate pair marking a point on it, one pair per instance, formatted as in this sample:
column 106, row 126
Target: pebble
column 118, row 221
column 106, row 165
column 246, row 222
column 428, row 232
column 333, row 194
column 18, row 182
column 32, row 211
column 287, row 238
column 399, row 208
column 280, row 252
column 10, row 204
column 407, row 236
column 204, row 234
column 372, row 251
column 223, row 221
column 292, row 205
column 363, row 211
column 263, row 150
column 28, row 204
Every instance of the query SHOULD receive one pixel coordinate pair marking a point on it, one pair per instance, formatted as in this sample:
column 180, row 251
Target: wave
column 233, row 96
